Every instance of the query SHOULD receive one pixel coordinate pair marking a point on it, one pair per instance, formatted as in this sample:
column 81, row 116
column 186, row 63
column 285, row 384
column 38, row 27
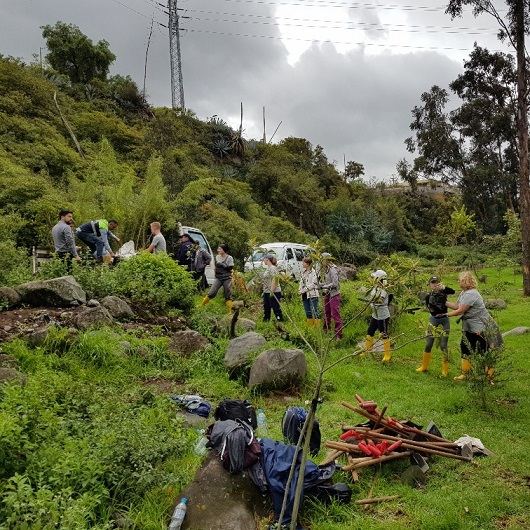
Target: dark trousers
column 381, row 325
column 200, row 280
column 472, row 342
column 66, row 257
column 272, row 301
column 94, row 243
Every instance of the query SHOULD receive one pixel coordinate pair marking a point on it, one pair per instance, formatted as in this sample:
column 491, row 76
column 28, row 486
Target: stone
column 92, row 317
column 278, row 369
column 7, row 361
column 10, row 374
column 37, row 337
column 239, row 349
column 57, row 292
column 187, row 342
column 117, row 307
column 125, row 345
column 92, row 303
column 243, row 325
column 221, row 501
column 378, row 346
column 347, row 272
column 9, row 298
column 495, row 303
column 520, row 330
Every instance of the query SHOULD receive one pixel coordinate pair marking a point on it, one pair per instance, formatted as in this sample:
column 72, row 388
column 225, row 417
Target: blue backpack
column 292, row 424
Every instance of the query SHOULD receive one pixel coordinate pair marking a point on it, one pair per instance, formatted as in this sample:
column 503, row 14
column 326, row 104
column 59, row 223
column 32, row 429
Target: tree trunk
column 522, row 134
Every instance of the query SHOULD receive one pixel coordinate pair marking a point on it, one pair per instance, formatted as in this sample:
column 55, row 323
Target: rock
column 126, row 345
column 7, row 361
column 92, row 317
column 221, row 501
column 278, row 369
column 243, row 325
column 9, row 298
column 10, row 374
column 57, row 292
column 520, row 330
column 495, row 303
column 238, row 350
column 347, row 272
column 117, row 307
column 92, row 303
column 376, row 348
column 187, row 342
column 37, row 337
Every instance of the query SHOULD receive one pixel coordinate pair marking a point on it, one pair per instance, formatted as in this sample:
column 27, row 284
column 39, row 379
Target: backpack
column 193, row 404
column 233, row 409
column 436, row 302
column 292, row 424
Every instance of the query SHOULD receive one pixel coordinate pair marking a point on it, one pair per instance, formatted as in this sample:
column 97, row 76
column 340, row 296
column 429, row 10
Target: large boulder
column 278, row 369
column 57, row 292
column 495, row 303
column 187, row 342
column 93, row 317
column 239, row 349
column 243, row 325
column 347, row 272
column 520, row 330
column 118, row 308
column 218, row 500
column 37, row 337
column 9, row 298
column 11, row 374
column 7, row 361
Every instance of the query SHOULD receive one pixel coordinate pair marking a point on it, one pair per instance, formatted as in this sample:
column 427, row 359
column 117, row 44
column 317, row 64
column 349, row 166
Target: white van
column 288, row 255
column 198, row 236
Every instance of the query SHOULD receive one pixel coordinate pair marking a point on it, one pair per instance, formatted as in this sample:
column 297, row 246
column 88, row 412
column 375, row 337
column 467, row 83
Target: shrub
column 155, row 281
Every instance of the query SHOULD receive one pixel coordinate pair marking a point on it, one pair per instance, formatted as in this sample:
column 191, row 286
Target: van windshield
column 279, row 252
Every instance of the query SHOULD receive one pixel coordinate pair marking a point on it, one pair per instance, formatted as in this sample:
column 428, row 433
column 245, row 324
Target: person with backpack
column 331, row 286
column 308, row 290
column 380, row 320
column 224, row 265
column 436, row 302
column 202, row 260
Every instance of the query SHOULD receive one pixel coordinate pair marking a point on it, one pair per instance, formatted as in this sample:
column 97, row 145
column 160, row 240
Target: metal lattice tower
column 177, row 84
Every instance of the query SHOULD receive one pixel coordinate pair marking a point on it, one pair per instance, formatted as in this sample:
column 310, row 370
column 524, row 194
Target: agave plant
column 221, row 147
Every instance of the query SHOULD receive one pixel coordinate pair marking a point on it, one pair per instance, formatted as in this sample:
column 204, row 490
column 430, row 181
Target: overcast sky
column 340, row 73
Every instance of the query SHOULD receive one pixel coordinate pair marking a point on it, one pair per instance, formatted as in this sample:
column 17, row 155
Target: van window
column 260, row 252
column 289, row 254
column 199, row 238
column 299, row 253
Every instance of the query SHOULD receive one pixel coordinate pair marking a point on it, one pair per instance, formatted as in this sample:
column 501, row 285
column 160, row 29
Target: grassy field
column 92, row 433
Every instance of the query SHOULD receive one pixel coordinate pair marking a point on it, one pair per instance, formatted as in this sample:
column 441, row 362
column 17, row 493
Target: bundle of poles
column 384, row 440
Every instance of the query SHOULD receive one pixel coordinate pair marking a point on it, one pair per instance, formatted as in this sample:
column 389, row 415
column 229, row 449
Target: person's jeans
column 311, row 307
column 94, row 243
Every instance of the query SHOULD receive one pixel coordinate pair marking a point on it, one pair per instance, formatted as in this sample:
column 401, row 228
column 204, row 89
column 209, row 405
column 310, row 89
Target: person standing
column 436, row 302
column 308, row 289
column 96, row 234
column 63, row 239
column 224, row 265
column 202, row 260
column 475, row 320
column 331, row 285
column 186, row 255
column 272, row 292
column 380, row 319
column 158, row 243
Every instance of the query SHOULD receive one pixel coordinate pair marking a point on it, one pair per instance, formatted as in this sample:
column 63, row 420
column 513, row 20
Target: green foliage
column 458, row 227
column 155, row 281
column 14, row 265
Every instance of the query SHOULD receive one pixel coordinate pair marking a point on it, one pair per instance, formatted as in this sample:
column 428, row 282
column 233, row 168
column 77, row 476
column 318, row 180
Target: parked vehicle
column 198, row 235
column 288, row 255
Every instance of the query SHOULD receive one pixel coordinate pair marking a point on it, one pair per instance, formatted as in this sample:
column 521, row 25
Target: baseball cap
column 378, row 274
column 326, row 255
column 434, row 279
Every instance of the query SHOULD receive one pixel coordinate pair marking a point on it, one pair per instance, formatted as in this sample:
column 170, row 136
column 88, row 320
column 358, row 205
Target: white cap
column 326, row 255
column 378, row 274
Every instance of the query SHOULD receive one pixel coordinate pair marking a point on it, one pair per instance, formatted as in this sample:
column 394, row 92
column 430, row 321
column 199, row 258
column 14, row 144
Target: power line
column 138, row 13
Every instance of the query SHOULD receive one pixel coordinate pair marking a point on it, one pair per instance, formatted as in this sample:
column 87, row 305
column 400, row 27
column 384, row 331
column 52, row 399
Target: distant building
column 434, row 188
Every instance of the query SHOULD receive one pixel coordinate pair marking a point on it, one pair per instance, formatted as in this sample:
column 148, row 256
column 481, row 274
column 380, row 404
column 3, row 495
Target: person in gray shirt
column 63, row 239
column 158, row 243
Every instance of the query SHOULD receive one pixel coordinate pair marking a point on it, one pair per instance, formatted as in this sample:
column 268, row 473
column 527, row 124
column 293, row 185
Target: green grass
column 86, row 418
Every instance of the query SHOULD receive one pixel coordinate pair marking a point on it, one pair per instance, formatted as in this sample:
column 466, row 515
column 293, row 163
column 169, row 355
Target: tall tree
column 513, row 28
column 72, row 53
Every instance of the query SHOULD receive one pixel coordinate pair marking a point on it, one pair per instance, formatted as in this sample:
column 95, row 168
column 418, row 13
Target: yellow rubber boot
column 445, row 367
column 316, row 322
column 368, row 345
column 425, row 363
column 491, row 372
column 387, row 347
column 310, row 322
column 205, row 300
column 228, row 304
column 466, row 368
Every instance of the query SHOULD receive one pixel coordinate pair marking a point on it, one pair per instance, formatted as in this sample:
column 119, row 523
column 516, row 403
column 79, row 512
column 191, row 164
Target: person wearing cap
column 308, row 290
column 224, row 265
column 380, row 319
column 186, row 255
column 331, row 286
column 436, row 302
column 272, row 292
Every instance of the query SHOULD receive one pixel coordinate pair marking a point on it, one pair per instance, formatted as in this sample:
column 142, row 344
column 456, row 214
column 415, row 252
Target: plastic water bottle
column 200, row 446
column 178, row 515
column 261, row 431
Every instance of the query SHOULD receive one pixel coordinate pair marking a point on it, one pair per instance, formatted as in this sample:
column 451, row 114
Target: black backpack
column 292, row 424
column 436, row 302
column 233, row 409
